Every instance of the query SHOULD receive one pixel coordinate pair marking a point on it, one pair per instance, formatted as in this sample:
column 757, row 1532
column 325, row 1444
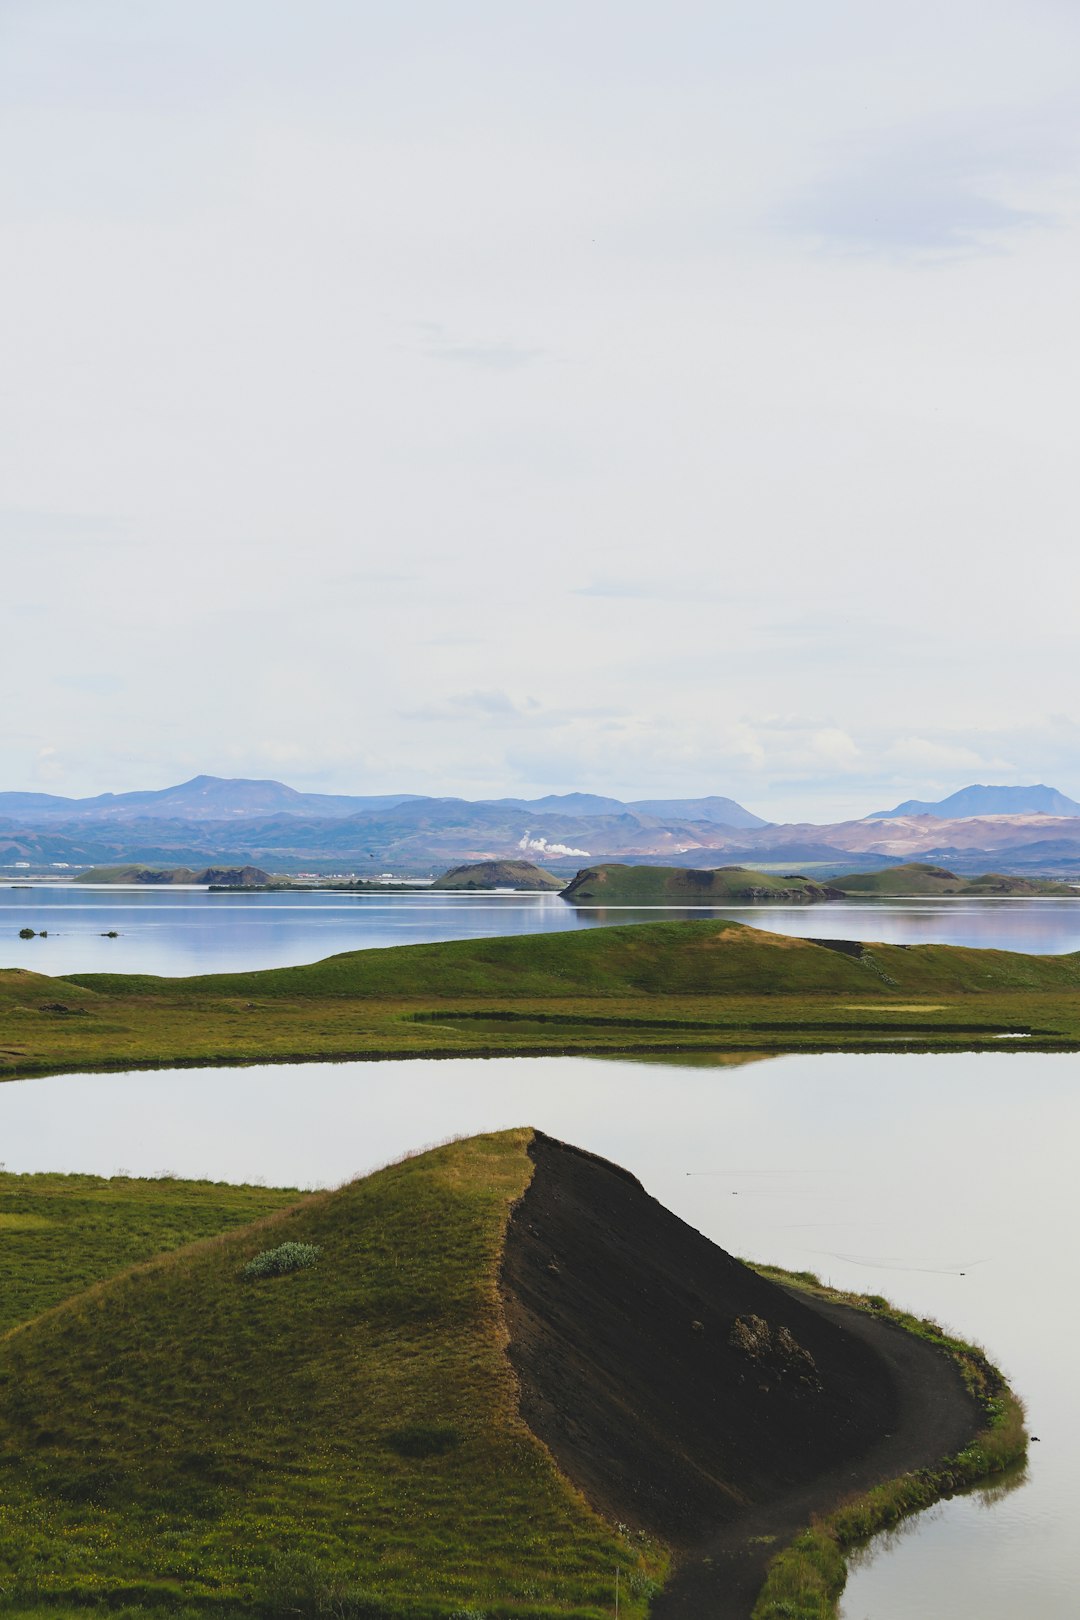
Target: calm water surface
column 946, row 1182
column 182, row 931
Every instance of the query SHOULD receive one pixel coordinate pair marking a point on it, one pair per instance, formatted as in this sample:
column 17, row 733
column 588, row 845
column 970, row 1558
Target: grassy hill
column 136, row 873
column 522, row 875
column 670, row 986
column 503, row 1372
column 615, row 884
column 341, row 1440
column 235, row 877
column 920, row 878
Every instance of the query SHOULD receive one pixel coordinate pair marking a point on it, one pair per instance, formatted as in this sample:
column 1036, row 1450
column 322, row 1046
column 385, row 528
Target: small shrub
column 286, row 1257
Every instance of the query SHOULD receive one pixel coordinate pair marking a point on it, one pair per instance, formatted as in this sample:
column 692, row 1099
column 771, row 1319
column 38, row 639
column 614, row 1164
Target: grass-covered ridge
column 685, row 986
column 340, row 1439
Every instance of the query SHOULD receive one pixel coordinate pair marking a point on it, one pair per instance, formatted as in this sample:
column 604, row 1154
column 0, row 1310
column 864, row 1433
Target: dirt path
column 936, row 1417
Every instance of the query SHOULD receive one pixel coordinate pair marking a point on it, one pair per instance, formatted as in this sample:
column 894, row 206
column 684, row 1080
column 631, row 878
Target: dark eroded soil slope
column 682, row 1392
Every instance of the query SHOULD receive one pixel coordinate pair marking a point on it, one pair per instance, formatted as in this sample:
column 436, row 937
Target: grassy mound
column 714, row 985
column 340, row 1439
column 154, row 875
column 371, row 1404
column 522, row 875
column 614, row 884
column 234, row 877
column 920, row 879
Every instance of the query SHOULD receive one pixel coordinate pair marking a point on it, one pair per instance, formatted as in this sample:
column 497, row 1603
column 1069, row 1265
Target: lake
column 946, row 1182
column 892, row 1174
column 183, row 931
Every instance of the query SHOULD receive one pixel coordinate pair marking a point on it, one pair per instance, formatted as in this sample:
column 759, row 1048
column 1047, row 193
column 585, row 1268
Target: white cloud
column 448, row 408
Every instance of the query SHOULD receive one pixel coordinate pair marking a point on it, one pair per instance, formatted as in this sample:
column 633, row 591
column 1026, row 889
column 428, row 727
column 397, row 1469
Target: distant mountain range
column 204, row 798
column 988, row 801
column 214, row 798
column 718, row 812
column 217, row 821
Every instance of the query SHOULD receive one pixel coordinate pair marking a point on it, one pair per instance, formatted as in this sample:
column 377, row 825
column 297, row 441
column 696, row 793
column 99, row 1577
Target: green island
column 707, row 986
column 522, row 875
column 918, row 878
column 616, row 884
column 232, row 877
column 251, row 1402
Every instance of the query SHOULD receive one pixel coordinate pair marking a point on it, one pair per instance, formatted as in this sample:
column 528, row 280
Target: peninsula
column 714, row 985
column 477, row 1382
column 613, row 883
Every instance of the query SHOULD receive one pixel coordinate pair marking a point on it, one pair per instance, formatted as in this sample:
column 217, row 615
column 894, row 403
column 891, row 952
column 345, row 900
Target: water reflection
column 188, row 931
column 686, row 1060
column 930, row 1565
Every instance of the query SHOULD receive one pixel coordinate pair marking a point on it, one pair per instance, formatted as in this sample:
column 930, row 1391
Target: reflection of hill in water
column 986, row 1494
column 990, row 1491
column 683, row 1060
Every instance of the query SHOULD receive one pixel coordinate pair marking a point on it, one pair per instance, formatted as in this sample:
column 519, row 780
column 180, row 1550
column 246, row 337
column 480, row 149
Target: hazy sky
column 495, row 397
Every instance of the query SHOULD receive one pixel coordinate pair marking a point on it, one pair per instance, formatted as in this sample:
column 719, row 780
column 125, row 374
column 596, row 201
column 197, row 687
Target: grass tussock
column 805, row 1580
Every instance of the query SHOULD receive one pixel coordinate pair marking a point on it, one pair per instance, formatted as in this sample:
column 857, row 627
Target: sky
column 651, row 400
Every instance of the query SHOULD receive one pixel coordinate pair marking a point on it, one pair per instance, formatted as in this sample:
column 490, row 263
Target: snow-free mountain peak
column 982, row 800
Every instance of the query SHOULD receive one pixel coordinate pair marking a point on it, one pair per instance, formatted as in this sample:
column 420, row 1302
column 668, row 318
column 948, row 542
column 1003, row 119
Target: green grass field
column 342, row 1440
column 60, row 1234
column 653, row 987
